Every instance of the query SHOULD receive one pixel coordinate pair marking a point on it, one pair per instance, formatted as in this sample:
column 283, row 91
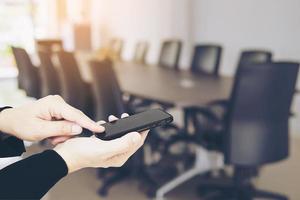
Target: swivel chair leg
column 269, row 195
column 216, row 195
column 110, row 181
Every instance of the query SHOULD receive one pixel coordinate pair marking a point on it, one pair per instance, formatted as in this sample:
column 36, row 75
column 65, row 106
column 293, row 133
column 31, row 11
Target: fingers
column 59, row 128
column 101, row 122
column 112, row 118
column 69, row 113
column 124, row 115
column 123, row 144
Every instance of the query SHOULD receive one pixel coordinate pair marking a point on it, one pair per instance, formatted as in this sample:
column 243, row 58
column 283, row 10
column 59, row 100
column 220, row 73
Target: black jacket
column 30, row 178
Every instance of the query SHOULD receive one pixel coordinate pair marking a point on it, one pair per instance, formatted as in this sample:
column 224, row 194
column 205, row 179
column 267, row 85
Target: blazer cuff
column 10, row 146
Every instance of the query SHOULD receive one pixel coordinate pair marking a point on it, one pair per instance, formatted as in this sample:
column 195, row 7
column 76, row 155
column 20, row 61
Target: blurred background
column 226, row 70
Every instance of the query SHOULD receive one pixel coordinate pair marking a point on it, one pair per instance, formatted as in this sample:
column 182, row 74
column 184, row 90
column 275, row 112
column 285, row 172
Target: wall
column 240, row 24
column 150, row 20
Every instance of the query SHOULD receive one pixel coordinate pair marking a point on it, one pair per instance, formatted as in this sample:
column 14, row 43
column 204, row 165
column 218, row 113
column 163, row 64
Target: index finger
column 74, row 115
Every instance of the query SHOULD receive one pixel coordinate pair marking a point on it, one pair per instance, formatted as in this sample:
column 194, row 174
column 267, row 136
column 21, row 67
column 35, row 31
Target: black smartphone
column 135, row 123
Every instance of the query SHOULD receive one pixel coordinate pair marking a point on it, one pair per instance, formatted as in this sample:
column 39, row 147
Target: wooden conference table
column 178, row 88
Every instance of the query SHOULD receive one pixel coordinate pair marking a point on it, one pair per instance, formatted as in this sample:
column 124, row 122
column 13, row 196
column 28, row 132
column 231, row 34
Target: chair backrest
column 73, row 87
column 29, row 74
column 49, row 75
column 170, row 54
column 49, row 45
column 140, row 54
column 257, row 121
column 106, row 90
column 20, row 71
column 206, row 59
column 255, row 56
column 116, row 46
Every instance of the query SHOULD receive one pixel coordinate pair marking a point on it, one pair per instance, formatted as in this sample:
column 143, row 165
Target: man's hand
column 81, row 153
column 48, row 117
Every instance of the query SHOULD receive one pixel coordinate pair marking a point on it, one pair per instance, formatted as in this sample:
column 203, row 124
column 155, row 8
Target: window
column 21, row 21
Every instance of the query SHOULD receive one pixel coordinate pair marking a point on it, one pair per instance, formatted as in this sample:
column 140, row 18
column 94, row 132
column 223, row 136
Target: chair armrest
column 204, row 111
column 221, row 102
column 208, row 111
column 179, row 138
column 171, row 126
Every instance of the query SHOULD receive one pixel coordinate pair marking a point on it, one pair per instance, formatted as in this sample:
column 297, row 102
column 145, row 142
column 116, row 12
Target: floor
column 283, row 177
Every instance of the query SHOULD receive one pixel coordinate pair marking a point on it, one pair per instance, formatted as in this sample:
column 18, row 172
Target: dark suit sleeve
column 32, row 177
column 10, row 146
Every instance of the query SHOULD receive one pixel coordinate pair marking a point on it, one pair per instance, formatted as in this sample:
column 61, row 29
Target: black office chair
column 29, row 78
column 74, row 90
column 106, row 91
column 108, row 98
column 255, row 56
column 140, row 53
column 170, row 54
column 206, row 62
column 206, row 59
column 255, row 132
column 116, row 47
column 216, row 109
column 49, row 45
column 49, row 75
column 20, row 70
column 109, row 101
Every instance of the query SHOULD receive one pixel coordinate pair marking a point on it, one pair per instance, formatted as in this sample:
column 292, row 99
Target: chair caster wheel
column 101, row 174
column 151, row 193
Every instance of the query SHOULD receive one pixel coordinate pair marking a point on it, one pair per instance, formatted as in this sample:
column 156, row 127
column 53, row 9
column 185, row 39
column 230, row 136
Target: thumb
column 59, row 128
column 123, row 144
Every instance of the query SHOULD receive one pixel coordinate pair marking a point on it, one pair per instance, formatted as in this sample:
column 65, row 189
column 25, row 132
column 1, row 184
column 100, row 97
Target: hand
column 81, row 153
column 48, row 117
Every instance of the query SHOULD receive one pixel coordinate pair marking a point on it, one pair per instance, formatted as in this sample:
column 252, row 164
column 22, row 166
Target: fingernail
column 76, row 129
column 136, row 138
column 101, row 128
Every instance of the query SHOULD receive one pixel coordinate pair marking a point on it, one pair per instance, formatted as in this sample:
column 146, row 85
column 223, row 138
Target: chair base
column 204, row 162
column 238, row 188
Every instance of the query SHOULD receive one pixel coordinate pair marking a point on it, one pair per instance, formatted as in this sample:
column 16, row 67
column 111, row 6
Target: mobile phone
column 135, row 123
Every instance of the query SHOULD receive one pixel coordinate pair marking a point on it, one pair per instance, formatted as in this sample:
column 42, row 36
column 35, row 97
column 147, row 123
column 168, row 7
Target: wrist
column 4, row 119
column 69, row 159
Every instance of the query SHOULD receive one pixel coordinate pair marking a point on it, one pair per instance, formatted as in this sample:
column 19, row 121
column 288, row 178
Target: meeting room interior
column 226, row 70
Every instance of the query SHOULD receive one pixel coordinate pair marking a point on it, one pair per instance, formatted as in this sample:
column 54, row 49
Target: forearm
column 32, row 177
